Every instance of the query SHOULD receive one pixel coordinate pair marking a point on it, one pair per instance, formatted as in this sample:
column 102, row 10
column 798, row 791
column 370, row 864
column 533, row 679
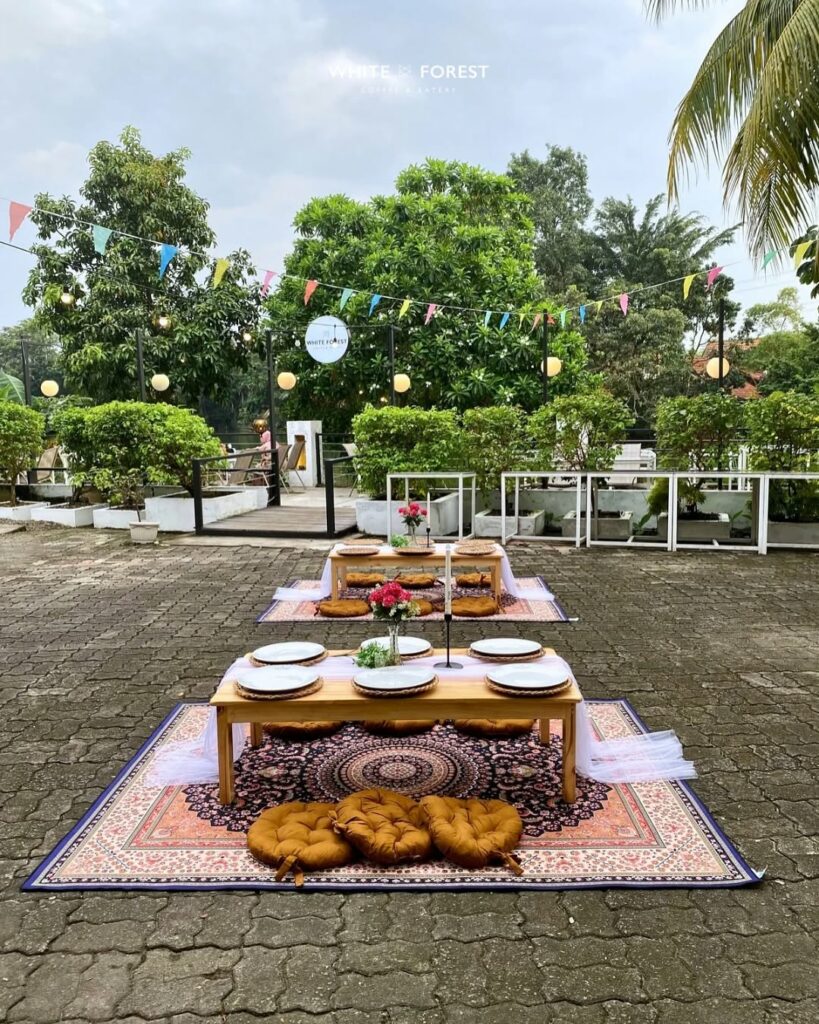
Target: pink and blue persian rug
column 644, row 835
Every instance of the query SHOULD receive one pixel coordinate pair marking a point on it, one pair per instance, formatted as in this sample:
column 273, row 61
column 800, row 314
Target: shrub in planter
column 783, row 431
column 580, row 432
column 495, row 443
column 21, row 441
column 403, row 440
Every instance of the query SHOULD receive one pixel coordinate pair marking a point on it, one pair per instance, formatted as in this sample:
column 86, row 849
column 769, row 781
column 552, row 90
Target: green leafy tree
column 131, row 190
column 580, row 432
column 21, row 441
column 449, row 233
column 789, row 360
column 808, row 269
column 496, row 442
column 43, row 349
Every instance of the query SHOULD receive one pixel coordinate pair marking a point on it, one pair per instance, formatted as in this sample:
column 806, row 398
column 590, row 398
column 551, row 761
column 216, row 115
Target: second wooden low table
column 464, row 695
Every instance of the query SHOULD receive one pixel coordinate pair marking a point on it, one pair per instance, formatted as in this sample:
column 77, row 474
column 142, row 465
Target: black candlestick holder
column 429, row 531
column 447, row 663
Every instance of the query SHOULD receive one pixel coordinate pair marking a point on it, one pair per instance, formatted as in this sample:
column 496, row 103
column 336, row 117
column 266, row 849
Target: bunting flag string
column 101, row 236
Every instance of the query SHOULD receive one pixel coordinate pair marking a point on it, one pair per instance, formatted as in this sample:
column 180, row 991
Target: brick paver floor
column 724, row 648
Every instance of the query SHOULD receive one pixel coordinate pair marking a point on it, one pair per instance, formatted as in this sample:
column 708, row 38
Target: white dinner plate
column 278, row 679
column 506, row 647
column 288, row 652
column 391, row 679
column 407, row 645
column 527, row 677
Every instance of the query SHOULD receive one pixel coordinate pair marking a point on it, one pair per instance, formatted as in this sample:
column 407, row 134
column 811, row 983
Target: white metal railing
column 460, row 477
column 548, row 474
column 765, row 523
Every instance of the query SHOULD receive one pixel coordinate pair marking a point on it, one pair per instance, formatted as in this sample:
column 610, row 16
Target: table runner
column 324, row 588
column 646, row 757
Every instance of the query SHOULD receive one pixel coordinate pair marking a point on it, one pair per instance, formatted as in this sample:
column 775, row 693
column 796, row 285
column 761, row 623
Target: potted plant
column 701, row 434
column 783, row 434
column 582, row 433
column 21, row 441
column 495, row 443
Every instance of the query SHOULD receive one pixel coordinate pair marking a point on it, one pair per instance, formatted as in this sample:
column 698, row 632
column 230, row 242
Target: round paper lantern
column 50, row 388
column 286, row 380
column 712, row 368
column 160, row 382
column 163, row 321
column 553, row 366
column 66, row 298
column 401, row 383
column 247, row 336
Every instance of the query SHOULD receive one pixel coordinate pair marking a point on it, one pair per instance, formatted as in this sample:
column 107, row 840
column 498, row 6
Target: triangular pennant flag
column 101, row 236
column 432, row 309
column 504, row 320
column 687, row 282
column 268, row 277
column 219, row 271
column 405, row 305
column 536, row 322
column 167, row 253
column 624, row 302
column 373, row 303
column 309, row 288
column 713, row 274
column 769, row 255
column 563, row 313
column 550, row 320
column 346, row 295
column 801, row 251
column 582, row 312
column 17, row 214
column 599, row 305
column 487, row 317
column 520, row 320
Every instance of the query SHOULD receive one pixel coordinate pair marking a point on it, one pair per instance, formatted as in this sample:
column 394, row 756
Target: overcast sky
column 277, row 101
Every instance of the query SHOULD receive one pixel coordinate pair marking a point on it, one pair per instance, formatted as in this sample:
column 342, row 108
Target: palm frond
column 658, row 9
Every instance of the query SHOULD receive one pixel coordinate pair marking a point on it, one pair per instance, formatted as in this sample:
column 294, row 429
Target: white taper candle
column 448, row 581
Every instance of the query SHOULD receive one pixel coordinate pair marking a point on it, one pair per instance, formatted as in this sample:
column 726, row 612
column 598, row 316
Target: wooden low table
column 463, row 696
column 340, row 564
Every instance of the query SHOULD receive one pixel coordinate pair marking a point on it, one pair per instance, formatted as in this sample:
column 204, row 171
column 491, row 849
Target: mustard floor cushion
column 298, row 837
column 344, row 608
column 405, row 728
column 473, row 833
column 474, row 579
column 364, row 579
column 384, row 826
column 301, row 730
column 477, row 607
column 494, row 727
column 417, row 580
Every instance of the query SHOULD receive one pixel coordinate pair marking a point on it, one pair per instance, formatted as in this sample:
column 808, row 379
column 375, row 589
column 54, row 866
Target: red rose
column 388, row 601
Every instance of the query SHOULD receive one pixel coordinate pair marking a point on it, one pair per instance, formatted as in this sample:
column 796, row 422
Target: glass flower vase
column 394, row 654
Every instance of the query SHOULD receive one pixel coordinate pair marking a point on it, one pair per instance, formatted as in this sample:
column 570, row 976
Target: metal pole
column 721, row 340
column 392, row 365
column 140, row 364
column 26, row 372
column 545, row 356
column 274, row 490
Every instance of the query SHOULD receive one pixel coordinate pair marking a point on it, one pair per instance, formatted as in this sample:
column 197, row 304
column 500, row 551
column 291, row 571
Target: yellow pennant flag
column 801, row 252
column 687, row 285
column 219, row 271
column 599, row 305
column 405, row 305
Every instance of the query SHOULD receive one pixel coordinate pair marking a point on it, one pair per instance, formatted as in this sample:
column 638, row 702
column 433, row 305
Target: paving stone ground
column 724, row 648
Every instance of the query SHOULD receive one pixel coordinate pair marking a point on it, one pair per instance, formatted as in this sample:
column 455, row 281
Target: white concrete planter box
column 64, row 515
column 371, row 516
column 696, row 531
column 106, row 518
column 21, row 512
column 529, row 524
column 606, row 528
column 144, row 532
column 175, row 513
column 794, row 533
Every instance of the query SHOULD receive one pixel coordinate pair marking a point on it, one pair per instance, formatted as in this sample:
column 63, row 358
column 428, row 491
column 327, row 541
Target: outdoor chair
column 295, row 454
column 282, row 457
column 631, row 460
column 351, row 448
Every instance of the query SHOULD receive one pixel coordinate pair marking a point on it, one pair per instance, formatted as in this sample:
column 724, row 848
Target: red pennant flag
column 432, row 309
column 308, row 291
column 268, row 277
column 624, row 303
column 17, row 214
column 550, row 320
column 536, row 322
column 713, row 274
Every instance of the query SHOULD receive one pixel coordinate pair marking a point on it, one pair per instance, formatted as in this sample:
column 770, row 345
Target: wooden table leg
column 256, row 734
column 569, row 756
column 333, row 580
column 224, row 734
column 496, row 584
column 545, row 730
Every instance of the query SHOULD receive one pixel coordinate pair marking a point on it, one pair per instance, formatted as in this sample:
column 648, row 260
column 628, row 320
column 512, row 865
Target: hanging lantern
column 163, row 321
column 712, row 368
column 553, row 366
column 67, row 298
column 160, row 382
column 401, row 383
column 50, row 388
column 286, row 380
column 247, row 336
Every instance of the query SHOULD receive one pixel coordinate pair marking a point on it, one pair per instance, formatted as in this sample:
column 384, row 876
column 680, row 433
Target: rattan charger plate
column 414, row 549
column 508, row 691
column 411, row 691
column 476, row 547
column 361, row 550
column 292, row 695
column 305, row 664
column 506, row 659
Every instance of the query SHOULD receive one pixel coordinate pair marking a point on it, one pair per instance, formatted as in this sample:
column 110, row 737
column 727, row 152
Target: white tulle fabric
column 322, row 591
column 645, row 757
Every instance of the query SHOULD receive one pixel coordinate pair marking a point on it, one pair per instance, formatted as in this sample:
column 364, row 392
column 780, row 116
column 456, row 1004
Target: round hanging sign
column 327, row 339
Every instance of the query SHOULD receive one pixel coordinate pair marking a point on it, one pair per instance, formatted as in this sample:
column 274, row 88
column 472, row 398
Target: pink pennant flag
column 713, row 274
column 308, row 291
column 432, row 309
column 624, row 302
column 17, row 214
column 268, row 277
column 536, row 322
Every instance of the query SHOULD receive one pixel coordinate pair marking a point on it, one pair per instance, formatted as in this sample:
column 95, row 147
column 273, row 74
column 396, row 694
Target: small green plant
column 372, row 656
column 495, row 444
column 21, row 441
column 398, row 540
column 580, row 432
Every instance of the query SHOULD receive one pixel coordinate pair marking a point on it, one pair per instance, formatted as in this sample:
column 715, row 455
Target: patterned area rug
column 512, row 609
column 645, row 835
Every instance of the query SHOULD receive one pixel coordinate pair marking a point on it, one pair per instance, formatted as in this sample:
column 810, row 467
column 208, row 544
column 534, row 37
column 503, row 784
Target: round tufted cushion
column 424, row 607
column 477, row 607
column 386, row 827
column 344, row 608
column 364, row 579
column 416, row 580
column 494, row 727
column 398, row 728
column 474, row 833
column 301, row 730
column 298, row 837
column 473, row 579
